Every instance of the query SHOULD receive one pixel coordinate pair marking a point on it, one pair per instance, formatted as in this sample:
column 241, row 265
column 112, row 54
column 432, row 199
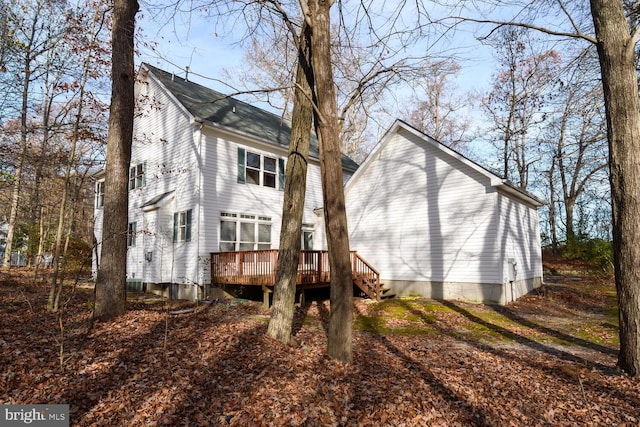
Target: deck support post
column 265, row 297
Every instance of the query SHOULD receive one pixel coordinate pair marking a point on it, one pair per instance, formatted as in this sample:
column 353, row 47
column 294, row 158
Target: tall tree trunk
column 110, row 292
column 42, row 237
column 340, row 318
column 569, row 205
column 281, row 323
column 617, row 62
column 62, row 212
column 17, row 186
column 552, row 208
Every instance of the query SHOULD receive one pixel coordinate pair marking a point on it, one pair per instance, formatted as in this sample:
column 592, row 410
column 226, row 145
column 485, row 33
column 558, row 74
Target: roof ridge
column 228, row 112
column 217, row 92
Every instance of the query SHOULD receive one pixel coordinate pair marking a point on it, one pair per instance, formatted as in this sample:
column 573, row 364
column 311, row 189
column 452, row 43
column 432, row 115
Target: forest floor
column 547, row 359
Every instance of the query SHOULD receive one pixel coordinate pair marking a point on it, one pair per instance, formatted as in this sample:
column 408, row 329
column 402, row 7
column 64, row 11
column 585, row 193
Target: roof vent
column 186, row 75
column 233, row 109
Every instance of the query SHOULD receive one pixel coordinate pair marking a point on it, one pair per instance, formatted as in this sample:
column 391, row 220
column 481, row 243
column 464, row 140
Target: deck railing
column 259, row 268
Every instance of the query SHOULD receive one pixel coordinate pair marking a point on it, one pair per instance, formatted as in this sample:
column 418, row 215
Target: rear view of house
column 206, row 175
column 438, row 225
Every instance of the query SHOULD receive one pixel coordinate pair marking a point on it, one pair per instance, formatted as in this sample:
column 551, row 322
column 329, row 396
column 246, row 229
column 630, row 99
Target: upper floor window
column 136, row 175
column 244, row 232
column 99, row 194
column 307, row 237
column 259, row 169
column 182, row 226
column 131, row 234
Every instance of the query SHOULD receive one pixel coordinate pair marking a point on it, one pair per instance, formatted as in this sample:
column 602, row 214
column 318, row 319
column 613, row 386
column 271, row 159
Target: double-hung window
column 244, row 232
column 131, row 234
column 260, row 169
column 136, row 176
column 100, row 194
column 182, row 226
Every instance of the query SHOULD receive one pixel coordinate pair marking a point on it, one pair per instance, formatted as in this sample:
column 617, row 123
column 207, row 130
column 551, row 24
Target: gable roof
column 495, row 181
column 223, row 111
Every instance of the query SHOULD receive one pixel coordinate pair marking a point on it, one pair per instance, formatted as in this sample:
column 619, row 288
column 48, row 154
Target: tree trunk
column 552, row 208
column 617, row 63
column 15, row 195
column 339, row 340
column 110, row 293
column 281, row 323
column 62, row 212
column 569, row 204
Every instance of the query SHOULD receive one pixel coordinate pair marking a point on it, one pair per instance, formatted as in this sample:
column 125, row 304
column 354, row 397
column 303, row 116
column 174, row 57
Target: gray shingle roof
column 214, row 107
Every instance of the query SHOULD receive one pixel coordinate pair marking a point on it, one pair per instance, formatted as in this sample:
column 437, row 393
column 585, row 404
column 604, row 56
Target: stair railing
column 364, row 271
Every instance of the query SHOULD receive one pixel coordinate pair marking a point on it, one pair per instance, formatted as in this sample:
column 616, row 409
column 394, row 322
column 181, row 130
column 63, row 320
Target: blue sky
column 193, row 44
column 206, row 49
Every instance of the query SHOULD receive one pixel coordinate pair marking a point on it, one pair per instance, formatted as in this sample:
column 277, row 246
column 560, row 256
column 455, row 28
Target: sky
column 193, row 44
column 208, row 48
column 198, row 44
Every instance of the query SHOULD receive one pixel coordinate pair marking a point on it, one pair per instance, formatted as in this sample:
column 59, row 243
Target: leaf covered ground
column 547, row 359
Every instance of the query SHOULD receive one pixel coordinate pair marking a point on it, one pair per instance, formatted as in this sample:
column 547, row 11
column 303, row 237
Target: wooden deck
column 258, row 268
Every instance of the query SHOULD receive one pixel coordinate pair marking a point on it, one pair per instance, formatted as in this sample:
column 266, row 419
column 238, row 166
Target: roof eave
column 518, row 193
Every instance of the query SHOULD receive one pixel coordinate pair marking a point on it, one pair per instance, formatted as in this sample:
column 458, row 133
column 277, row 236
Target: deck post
column 265, row 297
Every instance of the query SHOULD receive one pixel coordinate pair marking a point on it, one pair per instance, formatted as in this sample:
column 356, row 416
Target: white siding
column 418, row 214
column 164, row 140
column 519, row 238
column 97, row 232
column 222, row 193
column 198, row 163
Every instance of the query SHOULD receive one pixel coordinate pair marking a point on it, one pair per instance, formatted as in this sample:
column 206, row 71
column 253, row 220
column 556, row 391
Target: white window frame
column 182, row 226
column 307, row 237
column 100, row 194
column 137, row 174
column 257, row 172
column 249, row 232
column 132, row 230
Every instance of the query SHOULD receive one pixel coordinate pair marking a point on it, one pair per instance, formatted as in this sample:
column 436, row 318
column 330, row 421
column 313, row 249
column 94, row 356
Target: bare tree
column 281, row 323
column 615, row 35
column 436, row 111
column 96, row 23
column 51, row 35
column 110, row 290
column 365, row 72
column 516, row 100
column 317, row 13
column 616, row 50
column 35, row 37
column 579, row 152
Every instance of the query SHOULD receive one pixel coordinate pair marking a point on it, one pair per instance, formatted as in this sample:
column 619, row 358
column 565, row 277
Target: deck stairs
column 368, row 287
column 258, row 268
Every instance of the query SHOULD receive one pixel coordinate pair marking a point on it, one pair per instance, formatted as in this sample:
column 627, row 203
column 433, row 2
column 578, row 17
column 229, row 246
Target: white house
column 206, row 175
column 438, row 225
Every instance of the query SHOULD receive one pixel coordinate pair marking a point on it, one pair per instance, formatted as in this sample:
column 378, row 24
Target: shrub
column 596, row 253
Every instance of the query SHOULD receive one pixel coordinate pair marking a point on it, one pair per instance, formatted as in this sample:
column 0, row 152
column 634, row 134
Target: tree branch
column 576, row 35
